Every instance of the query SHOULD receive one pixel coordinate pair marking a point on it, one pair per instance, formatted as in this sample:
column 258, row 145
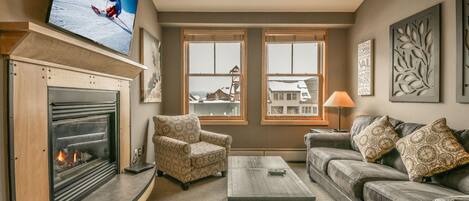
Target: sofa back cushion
column 393, row 158
column 183, row 127
column 361, row 122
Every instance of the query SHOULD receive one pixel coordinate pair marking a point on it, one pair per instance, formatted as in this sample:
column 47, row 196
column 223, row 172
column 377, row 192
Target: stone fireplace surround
column 35, row 58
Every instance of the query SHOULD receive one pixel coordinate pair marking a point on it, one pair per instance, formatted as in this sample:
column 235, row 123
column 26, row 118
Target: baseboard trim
column 288, row 154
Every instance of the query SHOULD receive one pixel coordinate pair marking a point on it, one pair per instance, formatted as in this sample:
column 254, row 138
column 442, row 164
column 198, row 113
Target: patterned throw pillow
column 431, row 150
column 376, row 140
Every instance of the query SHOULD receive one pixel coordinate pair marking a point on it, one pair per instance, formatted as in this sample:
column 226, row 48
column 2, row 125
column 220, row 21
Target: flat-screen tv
column 107, row 22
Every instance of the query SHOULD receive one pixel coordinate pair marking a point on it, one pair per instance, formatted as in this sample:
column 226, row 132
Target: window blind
column 214, row 35
column 294, row 36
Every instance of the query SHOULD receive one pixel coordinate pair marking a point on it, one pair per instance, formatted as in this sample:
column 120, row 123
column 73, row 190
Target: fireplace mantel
column 33, row 58
column 38, row 42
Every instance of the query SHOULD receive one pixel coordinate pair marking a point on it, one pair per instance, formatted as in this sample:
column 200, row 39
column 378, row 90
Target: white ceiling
column 258, row 5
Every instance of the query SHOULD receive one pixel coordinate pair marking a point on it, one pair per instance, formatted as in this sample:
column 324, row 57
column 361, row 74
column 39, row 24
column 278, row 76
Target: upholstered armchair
column 187, row 153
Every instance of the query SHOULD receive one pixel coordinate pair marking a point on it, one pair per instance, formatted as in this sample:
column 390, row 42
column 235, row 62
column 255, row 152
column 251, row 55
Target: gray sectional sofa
column 334, row 162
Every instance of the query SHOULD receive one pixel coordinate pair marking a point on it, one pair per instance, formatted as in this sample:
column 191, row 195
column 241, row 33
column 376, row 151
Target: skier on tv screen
column 114, row 10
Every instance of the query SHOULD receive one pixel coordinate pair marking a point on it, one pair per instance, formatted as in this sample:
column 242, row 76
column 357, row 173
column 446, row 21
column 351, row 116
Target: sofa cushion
column 351, row 175
column 405, row 191
column 321, row 156
column 454, row 198
column 376, row 139
column 204, row 154
column 431, row 150
column 183, row 127
column 457, row 179
column 361, row 122
column 393, row 158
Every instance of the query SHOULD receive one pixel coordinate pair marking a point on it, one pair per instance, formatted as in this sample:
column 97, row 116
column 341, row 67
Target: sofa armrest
column 216, row 139
column 172, row 145
column 331, row 140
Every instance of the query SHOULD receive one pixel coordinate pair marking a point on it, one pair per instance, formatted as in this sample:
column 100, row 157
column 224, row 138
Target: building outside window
column 214, row 75
column 277, row 109
column 293, row 67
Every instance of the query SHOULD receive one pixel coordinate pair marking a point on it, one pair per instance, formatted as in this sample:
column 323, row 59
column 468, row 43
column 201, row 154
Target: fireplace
column 83, row 139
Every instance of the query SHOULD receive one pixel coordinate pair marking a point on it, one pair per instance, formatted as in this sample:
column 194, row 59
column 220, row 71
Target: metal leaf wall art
column 413, row 69
column 415, row 58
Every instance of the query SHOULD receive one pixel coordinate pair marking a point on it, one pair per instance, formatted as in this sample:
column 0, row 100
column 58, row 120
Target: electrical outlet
column 140, row 152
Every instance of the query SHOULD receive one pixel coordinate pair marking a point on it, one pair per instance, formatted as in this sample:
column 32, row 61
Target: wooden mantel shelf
column 38, row 42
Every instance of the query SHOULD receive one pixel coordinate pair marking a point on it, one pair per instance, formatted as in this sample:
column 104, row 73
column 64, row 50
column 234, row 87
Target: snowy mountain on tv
column 107, row 22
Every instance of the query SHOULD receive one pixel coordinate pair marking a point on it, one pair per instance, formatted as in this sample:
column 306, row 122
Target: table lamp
column 339, row 100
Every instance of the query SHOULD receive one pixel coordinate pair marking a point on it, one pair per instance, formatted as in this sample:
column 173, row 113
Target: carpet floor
column 214, row 188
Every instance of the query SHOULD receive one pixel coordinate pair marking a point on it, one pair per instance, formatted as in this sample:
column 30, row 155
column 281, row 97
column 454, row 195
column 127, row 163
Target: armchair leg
column 185, row 186
column 159, row 173
column 223, row 173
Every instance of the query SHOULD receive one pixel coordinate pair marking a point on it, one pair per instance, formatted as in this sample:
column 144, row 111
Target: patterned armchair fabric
column 187, row 153
column 185, row 127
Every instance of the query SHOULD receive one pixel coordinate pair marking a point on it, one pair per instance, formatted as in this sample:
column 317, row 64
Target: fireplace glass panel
column 80, row 145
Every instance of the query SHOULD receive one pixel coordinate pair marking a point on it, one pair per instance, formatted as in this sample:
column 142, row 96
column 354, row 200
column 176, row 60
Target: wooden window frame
column 209, row 34
column 322, row 118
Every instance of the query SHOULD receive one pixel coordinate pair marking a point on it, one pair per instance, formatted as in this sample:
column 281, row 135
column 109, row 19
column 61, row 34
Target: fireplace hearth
column 83, row 152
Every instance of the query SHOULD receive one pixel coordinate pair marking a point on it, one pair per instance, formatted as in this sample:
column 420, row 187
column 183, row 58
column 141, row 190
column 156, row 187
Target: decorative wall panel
column 365, row 68
column 462, row 75
column 415, row 57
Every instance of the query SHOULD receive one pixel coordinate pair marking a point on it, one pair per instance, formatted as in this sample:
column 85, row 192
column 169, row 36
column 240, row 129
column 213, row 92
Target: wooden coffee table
column 248, row 180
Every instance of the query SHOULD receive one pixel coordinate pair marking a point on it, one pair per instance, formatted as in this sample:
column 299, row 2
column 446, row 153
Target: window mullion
column 291, row 65
column 214, row 58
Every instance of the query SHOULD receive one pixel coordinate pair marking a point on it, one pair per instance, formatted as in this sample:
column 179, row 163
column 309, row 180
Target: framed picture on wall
column 415, row 58
column 462, row 74
column 365, row 68
column 150, row 79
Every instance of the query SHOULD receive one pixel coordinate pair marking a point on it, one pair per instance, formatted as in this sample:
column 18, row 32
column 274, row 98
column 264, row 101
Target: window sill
column 294, row 122
column 223, row 122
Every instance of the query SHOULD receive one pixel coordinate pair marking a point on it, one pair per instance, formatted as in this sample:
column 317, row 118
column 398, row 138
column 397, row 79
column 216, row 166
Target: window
column 292, row 110
column 294, row 96
column 306, row 110
column 294, row 66
column 214, row 72
column 275, row 96
column 277, row 109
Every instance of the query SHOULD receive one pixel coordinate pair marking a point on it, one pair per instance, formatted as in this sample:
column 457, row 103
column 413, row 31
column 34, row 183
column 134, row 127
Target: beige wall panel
column 64, row 78
column 30, row 132
column 100, row 82
column 124, row 126
column 3, row 130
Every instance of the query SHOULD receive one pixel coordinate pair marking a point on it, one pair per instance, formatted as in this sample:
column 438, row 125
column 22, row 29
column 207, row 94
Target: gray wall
column 372, row 21
column 253, row 135
column 36, row 11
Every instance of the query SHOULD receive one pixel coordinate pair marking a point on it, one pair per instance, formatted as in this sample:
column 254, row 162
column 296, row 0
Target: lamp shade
column 339, row 99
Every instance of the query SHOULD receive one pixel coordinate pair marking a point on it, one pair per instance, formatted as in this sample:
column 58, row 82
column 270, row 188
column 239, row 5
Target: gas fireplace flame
column 75, row 156
column 61, row 156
